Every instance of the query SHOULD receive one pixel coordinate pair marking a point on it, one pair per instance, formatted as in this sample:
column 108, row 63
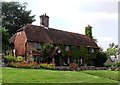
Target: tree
column 15, row 16
column 113, row 49
column 5, row 38
column 88, row 31
column 101, row 58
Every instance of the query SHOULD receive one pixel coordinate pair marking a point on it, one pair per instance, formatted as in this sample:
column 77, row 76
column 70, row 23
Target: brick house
column 31, row 36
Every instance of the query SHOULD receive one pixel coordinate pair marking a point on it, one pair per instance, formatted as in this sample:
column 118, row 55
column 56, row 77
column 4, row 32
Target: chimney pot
column 44, row 20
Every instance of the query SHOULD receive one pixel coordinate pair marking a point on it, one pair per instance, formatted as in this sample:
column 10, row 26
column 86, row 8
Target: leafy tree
column 88, row 31
column 101, row 58
column 113, row 49
column 5, row 38
column 15, row 16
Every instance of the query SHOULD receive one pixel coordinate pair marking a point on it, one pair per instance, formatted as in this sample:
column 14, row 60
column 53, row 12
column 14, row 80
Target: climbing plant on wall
column 46, row 49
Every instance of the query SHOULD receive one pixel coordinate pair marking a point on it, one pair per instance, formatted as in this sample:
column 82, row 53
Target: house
column 32, row 36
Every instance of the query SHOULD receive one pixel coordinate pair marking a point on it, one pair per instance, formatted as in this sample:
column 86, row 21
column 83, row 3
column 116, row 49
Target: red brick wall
column 20, row 42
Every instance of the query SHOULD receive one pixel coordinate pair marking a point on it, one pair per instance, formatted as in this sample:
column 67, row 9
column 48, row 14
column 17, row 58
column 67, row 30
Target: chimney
column 44, row 20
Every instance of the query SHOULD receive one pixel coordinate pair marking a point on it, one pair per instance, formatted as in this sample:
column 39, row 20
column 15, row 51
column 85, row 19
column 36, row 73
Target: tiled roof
column 50, row 35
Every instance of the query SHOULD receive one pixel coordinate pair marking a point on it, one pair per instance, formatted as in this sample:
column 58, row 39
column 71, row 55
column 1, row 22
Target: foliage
column 64, row 52
column 15, row 16
column 108, row 64
column 23, row 65
column 73, row 66
column 88, row 31
column 47, row 66
column 113, row 49
column 5, row 37
column 101, row 57
column 10, row 58
column 117, row 64
column 46, row 49
column 78, row 52
column 84, row 55
column 75, row 52
column 19, row 58
column 31, row 65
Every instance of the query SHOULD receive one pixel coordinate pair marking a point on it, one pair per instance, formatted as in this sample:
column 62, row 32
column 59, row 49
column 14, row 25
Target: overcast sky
column 75, row 15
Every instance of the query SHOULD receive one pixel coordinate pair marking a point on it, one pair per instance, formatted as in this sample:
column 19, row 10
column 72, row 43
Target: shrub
column 108, row 65
column 43, row 65
column 12, row 64
column 32, row 65
column 117, row 64
column 101, row 58
column 47, row 66
column 19, row 58
column 10, row 58
column 73, row 66
column 23, row 65
column 51, row 66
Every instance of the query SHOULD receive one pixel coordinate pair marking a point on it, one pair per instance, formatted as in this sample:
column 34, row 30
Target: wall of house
column 20, row 42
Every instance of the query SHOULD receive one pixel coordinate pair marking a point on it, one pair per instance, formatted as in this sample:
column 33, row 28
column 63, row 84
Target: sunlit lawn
column 14, row 75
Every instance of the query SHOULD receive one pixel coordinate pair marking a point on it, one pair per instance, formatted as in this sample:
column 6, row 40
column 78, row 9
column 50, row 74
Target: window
column 92, row 50
column 67, row 48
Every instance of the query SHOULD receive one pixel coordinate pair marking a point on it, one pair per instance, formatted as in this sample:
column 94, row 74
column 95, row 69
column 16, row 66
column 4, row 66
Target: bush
column 32, row 65
column 73, row 66
column 10, row 58
column 101, row 58
column 47, row 66
column 108, row 65
column 23, row 65
column 19, row 58
column 117, row 64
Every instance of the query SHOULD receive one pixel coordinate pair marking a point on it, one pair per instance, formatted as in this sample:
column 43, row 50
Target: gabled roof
column 50, row 35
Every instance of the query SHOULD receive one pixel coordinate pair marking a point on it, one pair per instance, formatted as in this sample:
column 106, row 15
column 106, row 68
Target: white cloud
column 105, row 39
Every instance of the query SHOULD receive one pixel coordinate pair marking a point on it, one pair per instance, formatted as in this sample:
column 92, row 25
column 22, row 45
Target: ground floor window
column 38, row 59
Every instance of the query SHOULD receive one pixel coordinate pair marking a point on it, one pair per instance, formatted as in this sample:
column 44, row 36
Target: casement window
column 92, row 50
column 67, row 48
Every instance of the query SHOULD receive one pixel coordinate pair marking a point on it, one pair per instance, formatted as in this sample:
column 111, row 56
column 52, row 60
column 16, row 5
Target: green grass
column 15, row 75
column 114, row 75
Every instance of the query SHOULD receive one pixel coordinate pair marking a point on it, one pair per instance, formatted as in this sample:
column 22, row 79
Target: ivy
column 46, row 49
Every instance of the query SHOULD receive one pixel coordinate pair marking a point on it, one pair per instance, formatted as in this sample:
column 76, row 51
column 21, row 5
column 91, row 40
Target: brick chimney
column 44, row 20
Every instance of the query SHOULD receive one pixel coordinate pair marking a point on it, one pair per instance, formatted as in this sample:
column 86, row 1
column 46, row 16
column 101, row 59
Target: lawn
column 15, row 75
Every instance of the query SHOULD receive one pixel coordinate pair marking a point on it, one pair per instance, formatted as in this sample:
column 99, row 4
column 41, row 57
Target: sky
column 75, row 15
